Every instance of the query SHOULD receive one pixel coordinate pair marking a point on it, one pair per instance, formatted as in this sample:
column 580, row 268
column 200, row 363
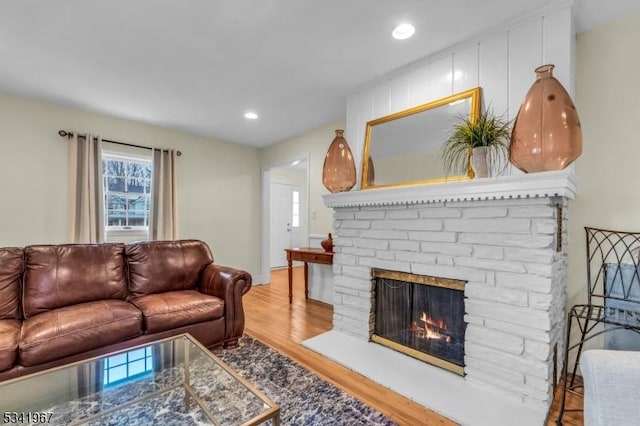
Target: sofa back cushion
column 161, row 266
column 63, row 275
column 11, row 265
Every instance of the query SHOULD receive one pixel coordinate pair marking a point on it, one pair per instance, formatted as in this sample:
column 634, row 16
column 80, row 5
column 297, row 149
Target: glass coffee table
column 169, row 381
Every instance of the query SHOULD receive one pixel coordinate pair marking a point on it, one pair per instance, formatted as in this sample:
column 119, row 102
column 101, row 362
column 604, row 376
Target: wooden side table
column 306, row 255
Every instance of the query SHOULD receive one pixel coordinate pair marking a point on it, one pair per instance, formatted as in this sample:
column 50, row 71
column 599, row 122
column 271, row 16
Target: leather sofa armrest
column 230, row 285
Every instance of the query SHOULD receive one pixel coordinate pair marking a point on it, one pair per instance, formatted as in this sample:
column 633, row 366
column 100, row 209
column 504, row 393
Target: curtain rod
column 66, row 134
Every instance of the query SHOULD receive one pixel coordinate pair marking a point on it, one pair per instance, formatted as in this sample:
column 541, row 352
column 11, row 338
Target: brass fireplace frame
column 423, row 280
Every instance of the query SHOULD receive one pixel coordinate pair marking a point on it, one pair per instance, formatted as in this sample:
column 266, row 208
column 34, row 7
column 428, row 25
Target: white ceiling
column 198, row 65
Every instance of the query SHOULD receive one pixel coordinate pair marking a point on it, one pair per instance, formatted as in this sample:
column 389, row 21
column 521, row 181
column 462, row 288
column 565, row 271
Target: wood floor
column 270, row 319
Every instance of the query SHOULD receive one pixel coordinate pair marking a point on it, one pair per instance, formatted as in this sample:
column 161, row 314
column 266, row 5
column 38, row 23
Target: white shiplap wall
column 502, row 63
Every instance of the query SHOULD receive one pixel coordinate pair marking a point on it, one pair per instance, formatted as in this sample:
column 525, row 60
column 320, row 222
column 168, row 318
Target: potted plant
column 475, row 142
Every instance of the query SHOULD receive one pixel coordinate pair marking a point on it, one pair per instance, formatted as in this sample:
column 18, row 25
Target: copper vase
column 339, row 170
column 546, row 134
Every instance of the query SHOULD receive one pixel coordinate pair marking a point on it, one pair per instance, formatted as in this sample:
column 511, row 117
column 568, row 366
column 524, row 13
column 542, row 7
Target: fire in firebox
column 430, row 329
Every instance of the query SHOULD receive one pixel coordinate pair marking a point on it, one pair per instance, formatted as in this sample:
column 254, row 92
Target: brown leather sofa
column 63, row 303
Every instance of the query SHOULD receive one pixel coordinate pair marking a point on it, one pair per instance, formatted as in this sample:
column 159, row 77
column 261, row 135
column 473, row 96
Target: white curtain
column 86, row 197
column 163, row 223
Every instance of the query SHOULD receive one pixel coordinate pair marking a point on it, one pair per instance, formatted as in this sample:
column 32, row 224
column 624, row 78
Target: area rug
column 303, row 397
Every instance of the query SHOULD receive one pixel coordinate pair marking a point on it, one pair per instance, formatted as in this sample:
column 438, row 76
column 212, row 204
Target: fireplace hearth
column 421, row 316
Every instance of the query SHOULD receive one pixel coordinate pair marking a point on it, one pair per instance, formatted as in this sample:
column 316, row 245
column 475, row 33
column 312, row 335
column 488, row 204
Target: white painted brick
column 355, row 224
column 491, row 278
column 524, row 282
column 538, row 350
column 345, row 259
column 545, row 271
column 496, row 294
column 436, row 212
column 337, row 269
column 445, row 260
column 370, row 243
column 510, row 225
column 519, row 390
column 499, row 340
column 383, row 254
column 405, row 245
column 507, row 240
column 384, row 234
column 391, row 265
column 545, row 226
column 356, row 301
column 540, row 301
column 451, row 249
column 337, row 224
column 370, row 214
column 344, row 290
column 485, row 212
column 476, row 364
column 544, row 256
column 344, row 215
column 543, row 385
column 472, row 319
column 359, row 316
column 538, row 211
column 520, row 363
column 351, row 282
column 489, row 264
column 445, row 271
column 409, row 225
column 449, row 237
column 345, row 233
column 357, row 271
column 512, row 314
column 519, row 330
column 359, row 251
column 415, row 257
column 482, row 386
column 488, row 252
column 402, row 214
column 343, row 242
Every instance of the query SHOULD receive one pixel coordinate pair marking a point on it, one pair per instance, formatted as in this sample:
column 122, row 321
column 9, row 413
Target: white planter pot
column 479, row 162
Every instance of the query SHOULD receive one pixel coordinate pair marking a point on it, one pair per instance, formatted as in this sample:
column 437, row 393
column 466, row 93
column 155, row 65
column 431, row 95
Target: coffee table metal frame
column 273, row 412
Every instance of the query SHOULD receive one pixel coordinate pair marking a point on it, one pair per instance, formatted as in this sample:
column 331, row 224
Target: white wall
column 607, row 99
column 219, row 183
column 501, row 63
column 313, row 144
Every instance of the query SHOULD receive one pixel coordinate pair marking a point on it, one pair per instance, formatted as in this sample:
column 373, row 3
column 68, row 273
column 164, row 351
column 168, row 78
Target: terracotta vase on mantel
column 547, row 134
column 339, row 170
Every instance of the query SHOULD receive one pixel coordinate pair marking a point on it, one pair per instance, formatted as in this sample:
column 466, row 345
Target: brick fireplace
column 506, row 238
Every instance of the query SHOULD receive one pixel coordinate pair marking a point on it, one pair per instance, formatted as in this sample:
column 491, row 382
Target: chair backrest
column 613, row 274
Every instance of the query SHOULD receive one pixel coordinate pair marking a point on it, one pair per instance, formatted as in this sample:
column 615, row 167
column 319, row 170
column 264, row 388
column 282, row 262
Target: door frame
column 266, row 214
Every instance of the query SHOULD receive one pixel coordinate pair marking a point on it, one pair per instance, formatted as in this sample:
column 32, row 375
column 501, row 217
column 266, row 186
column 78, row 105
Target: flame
column 432, row 329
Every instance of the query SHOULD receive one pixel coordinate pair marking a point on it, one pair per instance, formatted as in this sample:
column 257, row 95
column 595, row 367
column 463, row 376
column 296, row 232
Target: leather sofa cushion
column 65, row 275
column 161, row 266
column 9, row 338
column 11, row 266
column 165, row 311
column 75, row 329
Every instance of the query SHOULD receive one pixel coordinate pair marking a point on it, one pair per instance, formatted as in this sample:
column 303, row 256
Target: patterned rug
column 303, row 397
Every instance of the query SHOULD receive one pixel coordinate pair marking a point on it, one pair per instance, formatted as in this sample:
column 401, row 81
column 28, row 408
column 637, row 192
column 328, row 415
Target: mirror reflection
column 403, row 148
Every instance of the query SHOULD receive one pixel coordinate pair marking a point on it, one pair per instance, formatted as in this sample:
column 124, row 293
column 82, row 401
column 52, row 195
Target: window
column 127, row 187
column 128, row 365
column 295, row 220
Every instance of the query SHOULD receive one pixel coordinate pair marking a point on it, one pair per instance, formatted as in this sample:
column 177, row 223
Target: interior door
column 281, row 214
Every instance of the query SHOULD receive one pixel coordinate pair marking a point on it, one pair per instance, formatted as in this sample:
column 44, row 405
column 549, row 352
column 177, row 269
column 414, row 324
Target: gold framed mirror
column 404, row 148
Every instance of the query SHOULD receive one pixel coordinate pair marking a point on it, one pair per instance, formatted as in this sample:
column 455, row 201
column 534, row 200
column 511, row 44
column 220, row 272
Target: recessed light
column 295, row 163
column 250, row 115
column 403, row 31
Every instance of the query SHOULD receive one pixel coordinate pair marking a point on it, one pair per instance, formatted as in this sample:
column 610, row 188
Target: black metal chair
column 613, row 301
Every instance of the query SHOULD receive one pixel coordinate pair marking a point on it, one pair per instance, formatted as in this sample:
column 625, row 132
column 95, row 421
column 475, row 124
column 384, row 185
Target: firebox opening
column 421, row 316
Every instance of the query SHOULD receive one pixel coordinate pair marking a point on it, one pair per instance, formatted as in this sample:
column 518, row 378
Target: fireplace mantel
column 545, row 184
